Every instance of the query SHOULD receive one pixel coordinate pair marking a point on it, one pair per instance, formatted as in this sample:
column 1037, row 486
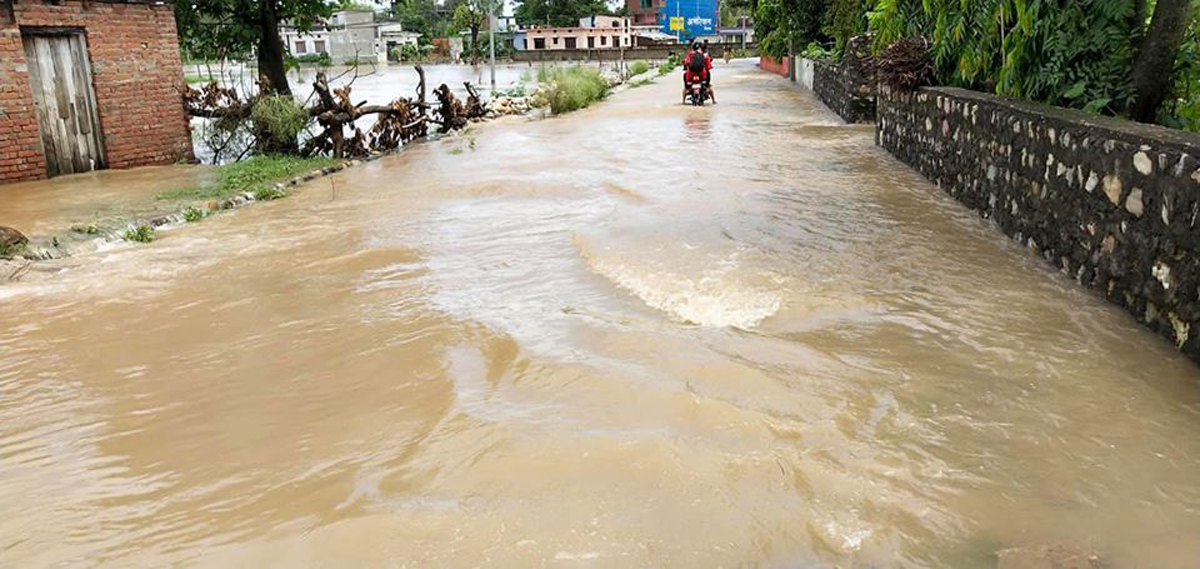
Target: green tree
column 786, row 26
column 419, row 16
column 1154, row 69
column 471, row 16
column 557, row 12
column 227, row 28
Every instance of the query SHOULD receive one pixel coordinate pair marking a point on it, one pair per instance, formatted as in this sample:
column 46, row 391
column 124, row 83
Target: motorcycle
column 697, row 93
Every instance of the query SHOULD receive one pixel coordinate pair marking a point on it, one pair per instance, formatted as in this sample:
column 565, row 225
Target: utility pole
column 492, row 42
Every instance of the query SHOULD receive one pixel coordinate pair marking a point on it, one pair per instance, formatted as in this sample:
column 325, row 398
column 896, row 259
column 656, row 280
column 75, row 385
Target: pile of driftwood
column 335, row 113
column 906, row 65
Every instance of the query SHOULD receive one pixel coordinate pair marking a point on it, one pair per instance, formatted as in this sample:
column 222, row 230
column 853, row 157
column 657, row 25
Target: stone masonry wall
column 1113, row 204
column 137, row 75
column 848, row 87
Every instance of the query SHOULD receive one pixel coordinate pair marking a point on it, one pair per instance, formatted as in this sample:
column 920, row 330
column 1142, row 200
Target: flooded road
column 642, row 334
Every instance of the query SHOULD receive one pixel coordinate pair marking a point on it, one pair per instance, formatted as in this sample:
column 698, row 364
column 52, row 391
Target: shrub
column 141, row 233
column 670, row 64
column 638, row 68
column 572, row 88
column 277, row 121
column 193, row 214
column 268, row 193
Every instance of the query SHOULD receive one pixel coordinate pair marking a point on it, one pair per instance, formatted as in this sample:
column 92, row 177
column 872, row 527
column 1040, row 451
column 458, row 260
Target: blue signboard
column 699, row 18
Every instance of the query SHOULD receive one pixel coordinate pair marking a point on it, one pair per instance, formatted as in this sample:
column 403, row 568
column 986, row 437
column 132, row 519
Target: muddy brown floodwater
column 638, row 335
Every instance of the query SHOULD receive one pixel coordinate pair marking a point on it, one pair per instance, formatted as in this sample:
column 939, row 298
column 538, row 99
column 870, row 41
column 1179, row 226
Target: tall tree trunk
column 474, row 46
column 1154, row 67
column 270, row 50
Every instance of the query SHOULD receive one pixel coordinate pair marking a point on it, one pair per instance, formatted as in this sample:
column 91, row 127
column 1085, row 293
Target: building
column 644, row 13
column 595, row 32
column 392, row 38
column 87, row 85
column 348, row 35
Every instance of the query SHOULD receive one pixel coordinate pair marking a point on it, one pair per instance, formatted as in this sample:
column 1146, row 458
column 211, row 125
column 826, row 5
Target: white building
column 594, row 32
column 346, row 36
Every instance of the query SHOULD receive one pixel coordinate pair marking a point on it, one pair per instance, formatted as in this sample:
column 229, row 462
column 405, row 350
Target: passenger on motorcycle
column 696, row 65
column 708, row 76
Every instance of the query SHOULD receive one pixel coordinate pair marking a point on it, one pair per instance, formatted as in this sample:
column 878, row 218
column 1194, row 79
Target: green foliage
column 1183, row 110
column 226, row 29
column 558, row 12
column 783, row 25
column 318, row 59
column 141, row 233
column 671, row 64
column 479, row 49
column 1074, row 53
column 571, row 88
column 268, row 193
column 845, row 19
column 193, row 214
column 815, row 50
column 410, row 52
column 638, row 67
column 514, row 92
column 250, row 175
column 277, row 120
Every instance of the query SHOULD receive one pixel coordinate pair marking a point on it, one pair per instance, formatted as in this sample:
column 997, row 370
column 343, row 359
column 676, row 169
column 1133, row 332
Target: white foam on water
column 722, row 292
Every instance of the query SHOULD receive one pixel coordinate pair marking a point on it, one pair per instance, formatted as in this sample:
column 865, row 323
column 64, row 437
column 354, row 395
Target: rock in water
column 10, row 238
column 1046, row 557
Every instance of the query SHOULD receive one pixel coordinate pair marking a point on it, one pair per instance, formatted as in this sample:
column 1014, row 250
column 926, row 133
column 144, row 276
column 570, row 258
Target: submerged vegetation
column 141, row 233
column 566, row 89
column 252, row 175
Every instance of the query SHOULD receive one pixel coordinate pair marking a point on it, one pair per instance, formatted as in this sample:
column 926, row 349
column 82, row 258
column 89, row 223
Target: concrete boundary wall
column 1113, row 204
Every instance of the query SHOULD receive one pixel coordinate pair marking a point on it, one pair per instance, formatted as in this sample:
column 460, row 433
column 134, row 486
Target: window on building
column 591, row 42
column 319, row 46
column 603, row 41
column 616, row 23
column 647, row 4
column 570, row 43
column 300, row 47
column 539, row 43
column 556, row 41
column 616, row 41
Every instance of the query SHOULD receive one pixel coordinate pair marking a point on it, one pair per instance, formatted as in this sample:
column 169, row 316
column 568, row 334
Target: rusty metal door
column 60, row 75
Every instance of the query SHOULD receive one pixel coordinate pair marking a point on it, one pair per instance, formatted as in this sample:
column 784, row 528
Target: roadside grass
column 670, row 64
column 569, row 89
column 253, row 175
column 193, row 79
column 638, row 67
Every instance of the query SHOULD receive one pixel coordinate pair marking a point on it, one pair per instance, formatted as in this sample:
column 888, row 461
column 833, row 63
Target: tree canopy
column 1099, row 55
column 557, row 12
column 218, row 29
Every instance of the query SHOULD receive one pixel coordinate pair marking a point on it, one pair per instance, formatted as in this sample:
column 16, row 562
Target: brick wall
column 138, row 79
column 768, row 63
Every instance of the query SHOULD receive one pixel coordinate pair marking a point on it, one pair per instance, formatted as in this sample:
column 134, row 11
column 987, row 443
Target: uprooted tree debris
column 335, row 114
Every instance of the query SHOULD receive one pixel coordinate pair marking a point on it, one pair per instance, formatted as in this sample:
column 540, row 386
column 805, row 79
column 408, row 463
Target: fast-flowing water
column 638, row 335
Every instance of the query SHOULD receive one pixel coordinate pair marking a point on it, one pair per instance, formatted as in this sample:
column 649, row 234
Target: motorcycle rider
column 696, row 64
column 708, row 72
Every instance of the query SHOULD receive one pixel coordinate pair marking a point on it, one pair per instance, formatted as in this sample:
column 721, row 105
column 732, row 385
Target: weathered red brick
column 137, row 77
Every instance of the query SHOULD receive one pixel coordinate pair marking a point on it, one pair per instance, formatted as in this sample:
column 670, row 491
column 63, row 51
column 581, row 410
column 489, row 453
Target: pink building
column 596, row 32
